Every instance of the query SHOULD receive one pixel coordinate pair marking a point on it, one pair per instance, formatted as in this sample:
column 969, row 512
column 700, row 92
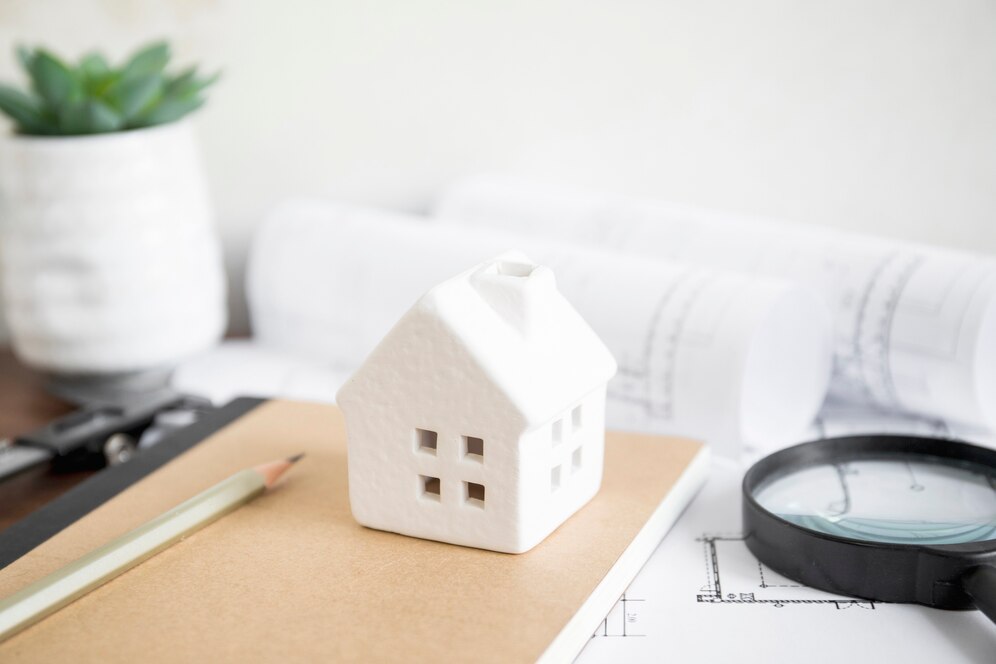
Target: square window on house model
column 474, row 494
column 430, row 487
column 494, row 361
column 473, row 448
column 425, row 441
column 557, row 432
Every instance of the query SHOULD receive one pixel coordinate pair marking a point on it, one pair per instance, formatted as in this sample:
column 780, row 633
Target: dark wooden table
column 24, row 406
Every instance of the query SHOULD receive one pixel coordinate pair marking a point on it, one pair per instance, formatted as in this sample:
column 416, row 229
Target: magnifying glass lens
column 885, row 518
column 899, row 499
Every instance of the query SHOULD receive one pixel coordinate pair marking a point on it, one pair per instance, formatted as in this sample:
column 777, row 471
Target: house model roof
column 515, row 324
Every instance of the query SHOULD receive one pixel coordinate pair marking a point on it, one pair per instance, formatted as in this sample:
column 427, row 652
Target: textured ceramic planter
column 108, row 258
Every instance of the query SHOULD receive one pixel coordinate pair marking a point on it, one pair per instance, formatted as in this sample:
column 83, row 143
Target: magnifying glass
column 884, row 518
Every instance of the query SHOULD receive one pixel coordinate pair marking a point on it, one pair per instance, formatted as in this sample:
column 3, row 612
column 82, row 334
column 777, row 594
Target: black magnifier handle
column 980, row 584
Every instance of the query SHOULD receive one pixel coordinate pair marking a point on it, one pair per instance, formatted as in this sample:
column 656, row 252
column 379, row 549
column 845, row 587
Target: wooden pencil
column 66, row 585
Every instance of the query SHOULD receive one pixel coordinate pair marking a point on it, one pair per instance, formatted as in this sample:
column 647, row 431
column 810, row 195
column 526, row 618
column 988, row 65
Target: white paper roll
column 704, row 353
column 915, row 326
column 241, row 367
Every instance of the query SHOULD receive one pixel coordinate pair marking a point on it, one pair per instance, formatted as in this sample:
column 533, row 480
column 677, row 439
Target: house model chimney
column 517, row 290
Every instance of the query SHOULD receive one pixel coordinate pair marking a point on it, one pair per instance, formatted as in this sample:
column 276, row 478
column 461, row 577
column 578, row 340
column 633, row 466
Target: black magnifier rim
column 927, row 574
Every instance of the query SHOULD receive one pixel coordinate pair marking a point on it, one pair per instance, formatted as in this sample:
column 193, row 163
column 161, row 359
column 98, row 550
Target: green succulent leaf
column 180, row 81
column 25, row 56
column 130, row 96
column 96, row 97
column 89, row 117
column 150, row 60
column 53, row 80
column 73, row 119
column 103, row 118
column 192, row 85
column 94, row 65
column 169, row 110
column 23, row 110
column 98, row 76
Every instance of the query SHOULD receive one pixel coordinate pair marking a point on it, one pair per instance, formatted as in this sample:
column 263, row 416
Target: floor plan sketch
column 623, row 620
column 747, row 581
column 703, row 597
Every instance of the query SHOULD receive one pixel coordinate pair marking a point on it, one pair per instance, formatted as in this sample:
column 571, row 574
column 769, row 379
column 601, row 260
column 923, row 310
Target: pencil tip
column 272, row 471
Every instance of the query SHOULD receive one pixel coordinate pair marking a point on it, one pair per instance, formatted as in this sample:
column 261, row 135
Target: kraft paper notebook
column 291, row 576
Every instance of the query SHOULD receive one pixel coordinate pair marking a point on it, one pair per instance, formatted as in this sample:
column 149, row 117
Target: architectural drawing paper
column 704, row 597
column 915, row 326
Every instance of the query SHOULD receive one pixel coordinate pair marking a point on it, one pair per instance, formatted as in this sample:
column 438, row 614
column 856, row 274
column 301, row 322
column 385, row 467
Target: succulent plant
column 94, row 98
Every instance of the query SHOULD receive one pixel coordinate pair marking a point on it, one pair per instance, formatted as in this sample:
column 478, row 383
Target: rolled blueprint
column 915, row 326
column 705, row 353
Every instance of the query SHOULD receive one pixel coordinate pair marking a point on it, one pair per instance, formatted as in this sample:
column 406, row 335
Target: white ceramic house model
column 479, row 419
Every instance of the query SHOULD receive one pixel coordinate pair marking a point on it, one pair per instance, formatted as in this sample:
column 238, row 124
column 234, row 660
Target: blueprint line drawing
column 623, row 620
column 754, row 583
column 706, row 599
column 914, row 325
column 845, row 419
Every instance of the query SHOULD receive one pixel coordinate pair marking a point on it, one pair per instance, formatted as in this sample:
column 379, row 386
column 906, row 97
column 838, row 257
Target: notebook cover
column 291, row 576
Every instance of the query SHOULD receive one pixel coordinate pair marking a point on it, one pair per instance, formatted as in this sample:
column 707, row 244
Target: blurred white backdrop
column 878, row 115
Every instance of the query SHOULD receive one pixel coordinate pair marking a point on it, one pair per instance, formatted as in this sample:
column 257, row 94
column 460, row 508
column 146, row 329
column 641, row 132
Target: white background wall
column 877, row 115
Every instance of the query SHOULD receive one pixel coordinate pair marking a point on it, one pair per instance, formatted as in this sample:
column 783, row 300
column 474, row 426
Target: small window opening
column 576, row 418
column 426, row 440
column 473, row 448
column 558, row 432
column 555, row 478
column 474, row 493
column 576, row 461
column 430, row 487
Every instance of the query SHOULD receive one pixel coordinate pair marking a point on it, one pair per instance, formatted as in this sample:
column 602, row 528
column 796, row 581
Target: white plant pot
column 108, row 259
